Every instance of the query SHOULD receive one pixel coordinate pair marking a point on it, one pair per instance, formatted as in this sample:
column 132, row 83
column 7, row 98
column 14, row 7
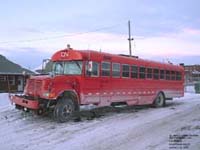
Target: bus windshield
column 67, row 67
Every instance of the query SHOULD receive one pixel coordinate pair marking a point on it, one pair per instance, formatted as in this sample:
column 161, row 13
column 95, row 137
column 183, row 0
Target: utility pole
column 129, row 37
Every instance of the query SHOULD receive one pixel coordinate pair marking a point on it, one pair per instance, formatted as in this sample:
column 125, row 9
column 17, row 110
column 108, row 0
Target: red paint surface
column 24, row 102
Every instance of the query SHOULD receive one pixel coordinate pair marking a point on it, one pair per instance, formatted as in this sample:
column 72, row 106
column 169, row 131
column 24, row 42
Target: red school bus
column 83, row 77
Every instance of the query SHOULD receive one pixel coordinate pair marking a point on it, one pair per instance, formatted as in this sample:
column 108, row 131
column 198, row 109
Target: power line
column 60, row 36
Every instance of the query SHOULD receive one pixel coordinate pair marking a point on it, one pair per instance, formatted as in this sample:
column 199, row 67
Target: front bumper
column 27, row 103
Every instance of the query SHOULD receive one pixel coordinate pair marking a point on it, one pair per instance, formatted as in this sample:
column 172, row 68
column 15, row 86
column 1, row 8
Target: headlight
column 46, row 94
column 49, row 95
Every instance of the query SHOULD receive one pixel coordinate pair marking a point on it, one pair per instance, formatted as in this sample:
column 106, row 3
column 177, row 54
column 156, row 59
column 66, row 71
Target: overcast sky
column 163, row 29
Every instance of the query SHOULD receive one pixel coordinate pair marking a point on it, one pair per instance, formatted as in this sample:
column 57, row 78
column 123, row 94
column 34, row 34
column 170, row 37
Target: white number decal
column 64, row 54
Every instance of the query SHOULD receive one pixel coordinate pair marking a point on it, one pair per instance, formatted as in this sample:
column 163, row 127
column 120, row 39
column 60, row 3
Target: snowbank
column 4, row 99
column 190, row 89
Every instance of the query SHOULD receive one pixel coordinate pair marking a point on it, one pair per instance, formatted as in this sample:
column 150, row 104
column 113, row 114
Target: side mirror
column 46, row 66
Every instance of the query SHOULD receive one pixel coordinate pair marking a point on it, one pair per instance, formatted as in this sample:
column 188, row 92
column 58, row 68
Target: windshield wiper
column 78, row 65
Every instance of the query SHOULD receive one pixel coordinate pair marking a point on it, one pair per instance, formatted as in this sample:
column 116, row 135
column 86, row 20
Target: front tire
column 64, row 110
column 159, row 101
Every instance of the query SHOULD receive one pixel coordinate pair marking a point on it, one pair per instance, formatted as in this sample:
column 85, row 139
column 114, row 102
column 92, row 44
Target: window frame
column 134, row 73
column 143, row 73
column 167, row 76
column 107, row 62
column 11, row 80
column 2, row 78
column 173, row 75
column 156, row 76
column 98, row 71
column 115, row 70
column 125, row 71
column 147, row 73
column 178, row 76
column 163, row 77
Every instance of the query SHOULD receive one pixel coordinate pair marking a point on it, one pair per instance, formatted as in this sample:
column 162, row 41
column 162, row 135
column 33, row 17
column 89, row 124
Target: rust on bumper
column 32, row 104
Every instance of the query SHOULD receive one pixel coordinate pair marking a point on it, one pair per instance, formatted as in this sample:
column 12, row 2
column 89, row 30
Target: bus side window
column 142, row 72
column 149, row 73
column 162, row 74
column 178, row 76
column 156, row 74
column 116, row 70
column 125, row 70
column 167, row 76
column 173, row 77
column 105, row 69
column 134, row 72
column 94, row 72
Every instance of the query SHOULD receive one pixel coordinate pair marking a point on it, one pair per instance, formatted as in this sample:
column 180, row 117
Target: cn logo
column 64, row 54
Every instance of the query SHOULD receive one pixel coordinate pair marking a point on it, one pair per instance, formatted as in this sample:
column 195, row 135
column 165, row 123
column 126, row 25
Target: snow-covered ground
column 176, row 126
column 4, row 100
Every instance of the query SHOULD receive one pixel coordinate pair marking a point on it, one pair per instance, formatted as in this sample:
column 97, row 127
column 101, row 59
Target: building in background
column 192, row 73
column 12, row 76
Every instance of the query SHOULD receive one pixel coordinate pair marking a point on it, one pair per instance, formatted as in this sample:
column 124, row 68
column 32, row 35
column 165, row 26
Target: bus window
column 149, row 73
column 173, row 77
column 94, row 71
column 72, row 67
column 134, row 72
column 162, row 74
column 142, row 73
column 125, row 70
column 156, row 74
column 178, row 76
column 116, row 70
column 167, row 75
column 105, row 69
column 58, row 68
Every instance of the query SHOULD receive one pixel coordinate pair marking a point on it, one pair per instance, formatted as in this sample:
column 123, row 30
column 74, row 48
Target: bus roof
column 71, row 54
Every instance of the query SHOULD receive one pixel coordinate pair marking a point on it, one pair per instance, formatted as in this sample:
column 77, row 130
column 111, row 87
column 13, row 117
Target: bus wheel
column 64, row 110
column 160, row 100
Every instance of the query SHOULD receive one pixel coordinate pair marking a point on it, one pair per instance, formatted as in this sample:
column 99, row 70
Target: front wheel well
column 71, row 95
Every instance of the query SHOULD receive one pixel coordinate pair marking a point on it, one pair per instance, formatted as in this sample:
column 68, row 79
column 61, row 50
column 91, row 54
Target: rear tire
column 160, row 100
column 64, row 110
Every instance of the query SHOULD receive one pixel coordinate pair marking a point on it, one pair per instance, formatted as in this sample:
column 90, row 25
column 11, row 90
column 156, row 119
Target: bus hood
column 36, row 85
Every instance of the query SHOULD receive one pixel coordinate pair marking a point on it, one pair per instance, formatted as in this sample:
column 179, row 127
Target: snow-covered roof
column 8, row 67
column 195, row 72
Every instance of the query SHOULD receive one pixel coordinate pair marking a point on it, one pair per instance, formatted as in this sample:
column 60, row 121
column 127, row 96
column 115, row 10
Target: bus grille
column 34, row 87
